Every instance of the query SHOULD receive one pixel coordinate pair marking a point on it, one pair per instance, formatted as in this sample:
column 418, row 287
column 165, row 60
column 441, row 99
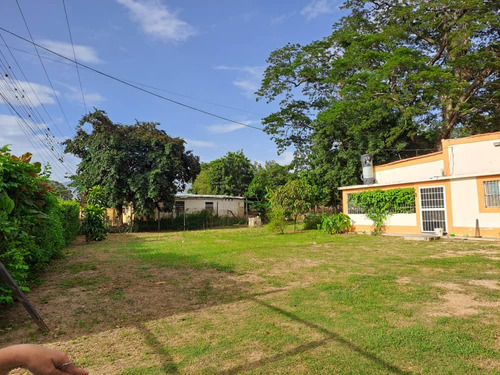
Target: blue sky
column 214, row 51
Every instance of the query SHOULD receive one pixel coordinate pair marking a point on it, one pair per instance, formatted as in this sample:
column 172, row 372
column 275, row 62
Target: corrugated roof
column 200, row 196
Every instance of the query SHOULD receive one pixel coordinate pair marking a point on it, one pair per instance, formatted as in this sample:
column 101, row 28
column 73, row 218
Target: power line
column 28, row 106
column 74, row 55
column 17, row 92
column 149, row 86
column 132, row 85
column 43, row 65
column 28, row 82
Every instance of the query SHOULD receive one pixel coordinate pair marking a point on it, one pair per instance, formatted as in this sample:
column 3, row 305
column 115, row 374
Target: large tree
column 136, row 163
column 228, row 175
column 394, row 76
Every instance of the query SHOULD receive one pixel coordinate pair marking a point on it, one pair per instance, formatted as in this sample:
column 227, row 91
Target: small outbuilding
column 457, row 189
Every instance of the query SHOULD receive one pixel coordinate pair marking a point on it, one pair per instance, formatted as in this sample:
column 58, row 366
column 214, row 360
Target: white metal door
column 433, row 208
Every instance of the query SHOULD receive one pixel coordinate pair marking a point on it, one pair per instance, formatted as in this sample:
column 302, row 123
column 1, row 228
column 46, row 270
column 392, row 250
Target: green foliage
column 31, row 220
column 230, row 174
column 193, row 221
column 295, row 198
column 335, row 224
column 271, row 176
column 70, row 219
column 94, row 215
column 392, row 76
column 277, row 222
column 312, row 221
column 60, row 190
column 202, row 184
column 378, row 204
column 136, row 163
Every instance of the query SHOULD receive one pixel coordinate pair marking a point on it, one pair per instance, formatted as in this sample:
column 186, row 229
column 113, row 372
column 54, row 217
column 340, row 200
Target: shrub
column 70, row 219
column 31, row 231
column 277, row 222
column 335, row 224
column 312, row 220
column 94, row 222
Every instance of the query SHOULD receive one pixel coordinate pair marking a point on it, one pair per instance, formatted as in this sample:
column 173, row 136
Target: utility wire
column 28, row 106
column 29, row 83
column 35, row 130
column 146, row 85
column 74, row 55
column 131, row 84
column 43, row 65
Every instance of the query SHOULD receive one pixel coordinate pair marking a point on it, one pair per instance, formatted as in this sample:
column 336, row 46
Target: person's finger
column 73, row 370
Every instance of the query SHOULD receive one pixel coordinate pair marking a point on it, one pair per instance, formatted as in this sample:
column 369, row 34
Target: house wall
column 464, row 204
column 468, row 206
column 222, row 206
column 424, row 171
column 480, row 157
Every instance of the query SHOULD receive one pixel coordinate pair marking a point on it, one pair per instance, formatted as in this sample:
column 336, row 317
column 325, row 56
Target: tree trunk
column 119, row 213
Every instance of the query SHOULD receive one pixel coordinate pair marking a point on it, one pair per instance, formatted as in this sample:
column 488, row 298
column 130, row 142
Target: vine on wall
column 379, row 204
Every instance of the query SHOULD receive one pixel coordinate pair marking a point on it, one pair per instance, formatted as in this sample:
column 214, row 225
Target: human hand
column 44, row 361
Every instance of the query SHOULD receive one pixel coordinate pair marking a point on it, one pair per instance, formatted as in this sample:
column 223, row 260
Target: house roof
column 201, row 196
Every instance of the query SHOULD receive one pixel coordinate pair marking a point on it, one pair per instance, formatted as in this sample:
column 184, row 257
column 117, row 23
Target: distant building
column 455, row 189
column 222, row 205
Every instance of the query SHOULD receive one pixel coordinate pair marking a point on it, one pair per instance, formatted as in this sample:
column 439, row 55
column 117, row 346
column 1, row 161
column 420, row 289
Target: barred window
column 352, row 208
column 491, row 193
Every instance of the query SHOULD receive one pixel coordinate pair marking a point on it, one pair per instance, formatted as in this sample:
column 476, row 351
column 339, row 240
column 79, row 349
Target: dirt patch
column 403, row 280
column 449, row 286
column 490, row 284
column 459, row 304
column 456, row 254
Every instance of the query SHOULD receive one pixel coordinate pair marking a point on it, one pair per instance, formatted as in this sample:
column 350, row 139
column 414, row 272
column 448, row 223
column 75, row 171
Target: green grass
column 247, row 301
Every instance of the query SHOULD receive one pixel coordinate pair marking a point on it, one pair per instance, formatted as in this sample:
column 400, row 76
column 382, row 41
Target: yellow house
column 457, row 189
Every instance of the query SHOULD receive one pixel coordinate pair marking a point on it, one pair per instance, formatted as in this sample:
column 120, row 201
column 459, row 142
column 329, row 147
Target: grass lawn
column 246, row 301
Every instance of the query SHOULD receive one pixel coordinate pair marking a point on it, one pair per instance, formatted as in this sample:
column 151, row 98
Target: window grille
column 352, row 208
column 491, row 193
column 432, row 205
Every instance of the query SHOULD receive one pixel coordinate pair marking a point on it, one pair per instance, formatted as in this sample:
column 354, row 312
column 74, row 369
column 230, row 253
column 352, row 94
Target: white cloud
column 75, row 94
column 15, row 91
column 158, row 21
column 251, row 82
column 316, row 8
column 84, row 54
column 280, row 19
column 194, row 143
column 227, row 128
column 285, row 158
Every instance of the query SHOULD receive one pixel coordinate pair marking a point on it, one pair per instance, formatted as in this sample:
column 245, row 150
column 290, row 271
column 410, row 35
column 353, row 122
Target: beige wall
column 404, row 220
column 424, row 171
column 464, row 198
column 474, row 158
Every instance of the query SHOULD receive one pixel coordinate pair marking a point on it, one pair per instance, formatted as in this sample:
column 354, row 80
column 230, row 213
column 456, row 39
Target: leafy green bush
column 31, row 231
column 70, row 219
column 94, row 215
column 312, row 220
column 277, row 222
column 335, row 224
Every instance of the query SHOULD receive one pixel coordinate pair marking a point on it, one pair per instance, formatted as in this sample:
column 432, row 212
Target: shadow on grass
column 330, row 337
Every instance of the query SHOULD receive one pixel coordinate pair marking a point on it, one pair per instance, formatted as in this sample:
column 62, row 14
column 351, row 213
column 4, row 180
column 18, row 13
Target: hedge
column 34, row 224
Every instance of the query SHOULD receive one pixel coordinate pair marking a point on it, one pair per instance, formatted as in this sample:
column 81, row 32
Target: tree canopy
column 228, row 175
column 393, row 79
column 60, row 190
column 136, row 163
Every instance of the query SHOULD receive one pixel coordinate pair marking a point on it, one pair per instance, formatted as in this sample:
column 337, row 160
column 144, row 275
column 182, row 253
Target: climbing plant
column 379, row 204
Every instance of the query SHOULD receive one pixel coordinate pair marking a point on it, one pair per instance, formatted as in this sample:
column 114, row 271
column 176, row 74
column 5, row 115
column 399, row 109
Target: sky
column 205, row 54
